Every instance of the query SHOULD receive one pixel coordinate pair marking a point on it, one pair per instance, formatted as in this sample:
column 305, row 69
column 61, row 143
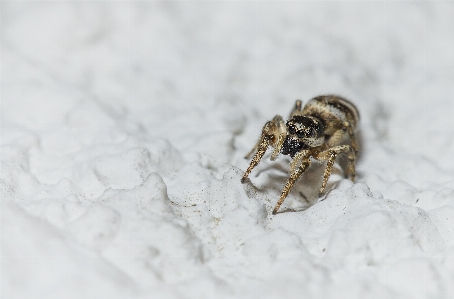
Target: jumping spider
column 315, row 131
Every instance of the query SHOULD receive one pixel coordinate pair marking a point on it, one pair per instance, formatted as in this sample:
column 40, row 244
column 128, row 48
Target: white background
column 124, row 125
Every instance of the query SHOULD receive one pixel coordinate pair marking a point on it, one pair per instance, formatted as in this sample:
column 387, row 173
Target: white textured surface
column 124, row 124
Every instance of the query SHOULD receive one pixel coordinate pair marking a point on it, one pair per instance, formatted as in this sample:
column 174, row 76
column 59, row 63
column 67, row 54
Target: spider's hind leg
column 336, row 139
column 297, row 109
column 273, row 133
column 330, row 156
column 352, row 153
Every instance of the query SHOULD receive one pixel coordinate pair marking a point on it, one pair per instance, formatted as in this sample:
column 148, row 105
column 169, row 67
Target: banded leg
column 294, row 175
column 353, row 152
column 270, row 134
column 330, row 156
column 299, row 157
column 352, row 136
column 334, row 141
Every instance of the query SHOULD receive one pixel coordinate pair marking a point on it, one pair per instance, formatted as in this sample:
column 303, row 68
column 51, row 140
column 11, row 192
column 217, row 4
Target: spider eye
column 291, row 128
column 302, row 134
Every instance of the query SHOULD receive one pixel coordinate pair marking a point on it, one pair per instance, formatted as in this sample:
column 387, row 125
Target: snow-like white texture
column 124, row 125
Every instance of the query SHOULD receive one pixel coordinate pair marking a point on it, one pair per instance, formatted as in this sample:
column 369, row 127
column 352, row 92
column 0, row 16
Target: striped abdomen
column 333, row 110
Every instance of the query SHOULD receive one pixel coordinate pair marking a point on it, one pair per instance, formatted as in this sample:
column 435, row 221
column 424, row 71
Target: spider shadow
column 304, row 193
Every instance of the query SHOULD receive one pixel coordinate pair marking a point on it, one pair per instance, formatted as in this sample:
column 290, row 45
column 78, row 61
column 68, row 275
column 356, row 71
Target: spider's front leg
column 297, row 167
column 330, row 156
column 273, row 133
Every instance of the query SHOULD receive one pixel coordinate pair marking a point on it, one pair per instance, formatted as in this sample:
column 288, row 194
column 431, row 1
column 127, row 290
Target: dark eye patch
column 303, row 133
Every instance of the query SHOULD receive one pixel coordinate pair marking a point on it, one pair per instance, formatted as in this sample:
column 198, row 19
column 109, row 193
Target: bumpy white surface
column 124, row 126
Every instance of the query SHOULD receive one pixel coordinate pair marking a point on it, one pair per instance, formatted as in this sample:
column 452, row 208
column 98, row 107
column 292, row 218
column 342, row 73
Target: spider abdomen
column 333, row 110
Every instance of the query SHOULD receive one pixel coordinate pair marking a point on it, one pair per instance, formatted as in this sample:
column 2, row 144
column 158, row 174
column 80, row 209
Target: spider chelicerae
column 316, row 130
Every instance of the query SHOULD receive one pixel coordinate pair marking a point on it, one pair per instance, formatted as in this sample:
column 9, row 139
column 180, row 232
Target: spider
column 318, row 131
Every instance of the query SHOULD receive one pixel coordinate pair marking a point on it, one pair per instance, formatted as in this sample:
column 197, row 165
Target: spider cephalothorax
column 303, row 132
column 315, row 131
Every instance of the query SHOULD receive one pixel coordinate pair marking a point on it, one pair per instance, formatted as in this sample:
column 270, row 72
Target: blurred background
column 180, row 69
column 172, row 82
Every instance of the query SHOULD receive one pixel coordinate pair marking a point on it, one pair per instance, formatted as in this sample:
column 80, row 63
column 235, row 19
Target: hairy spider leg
column 297, row 109
column 330, row 156
column 336, row 139
column 279, row 144
column 297, row 167
column 353, row 152
column 271, row 135
column 299, row 157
